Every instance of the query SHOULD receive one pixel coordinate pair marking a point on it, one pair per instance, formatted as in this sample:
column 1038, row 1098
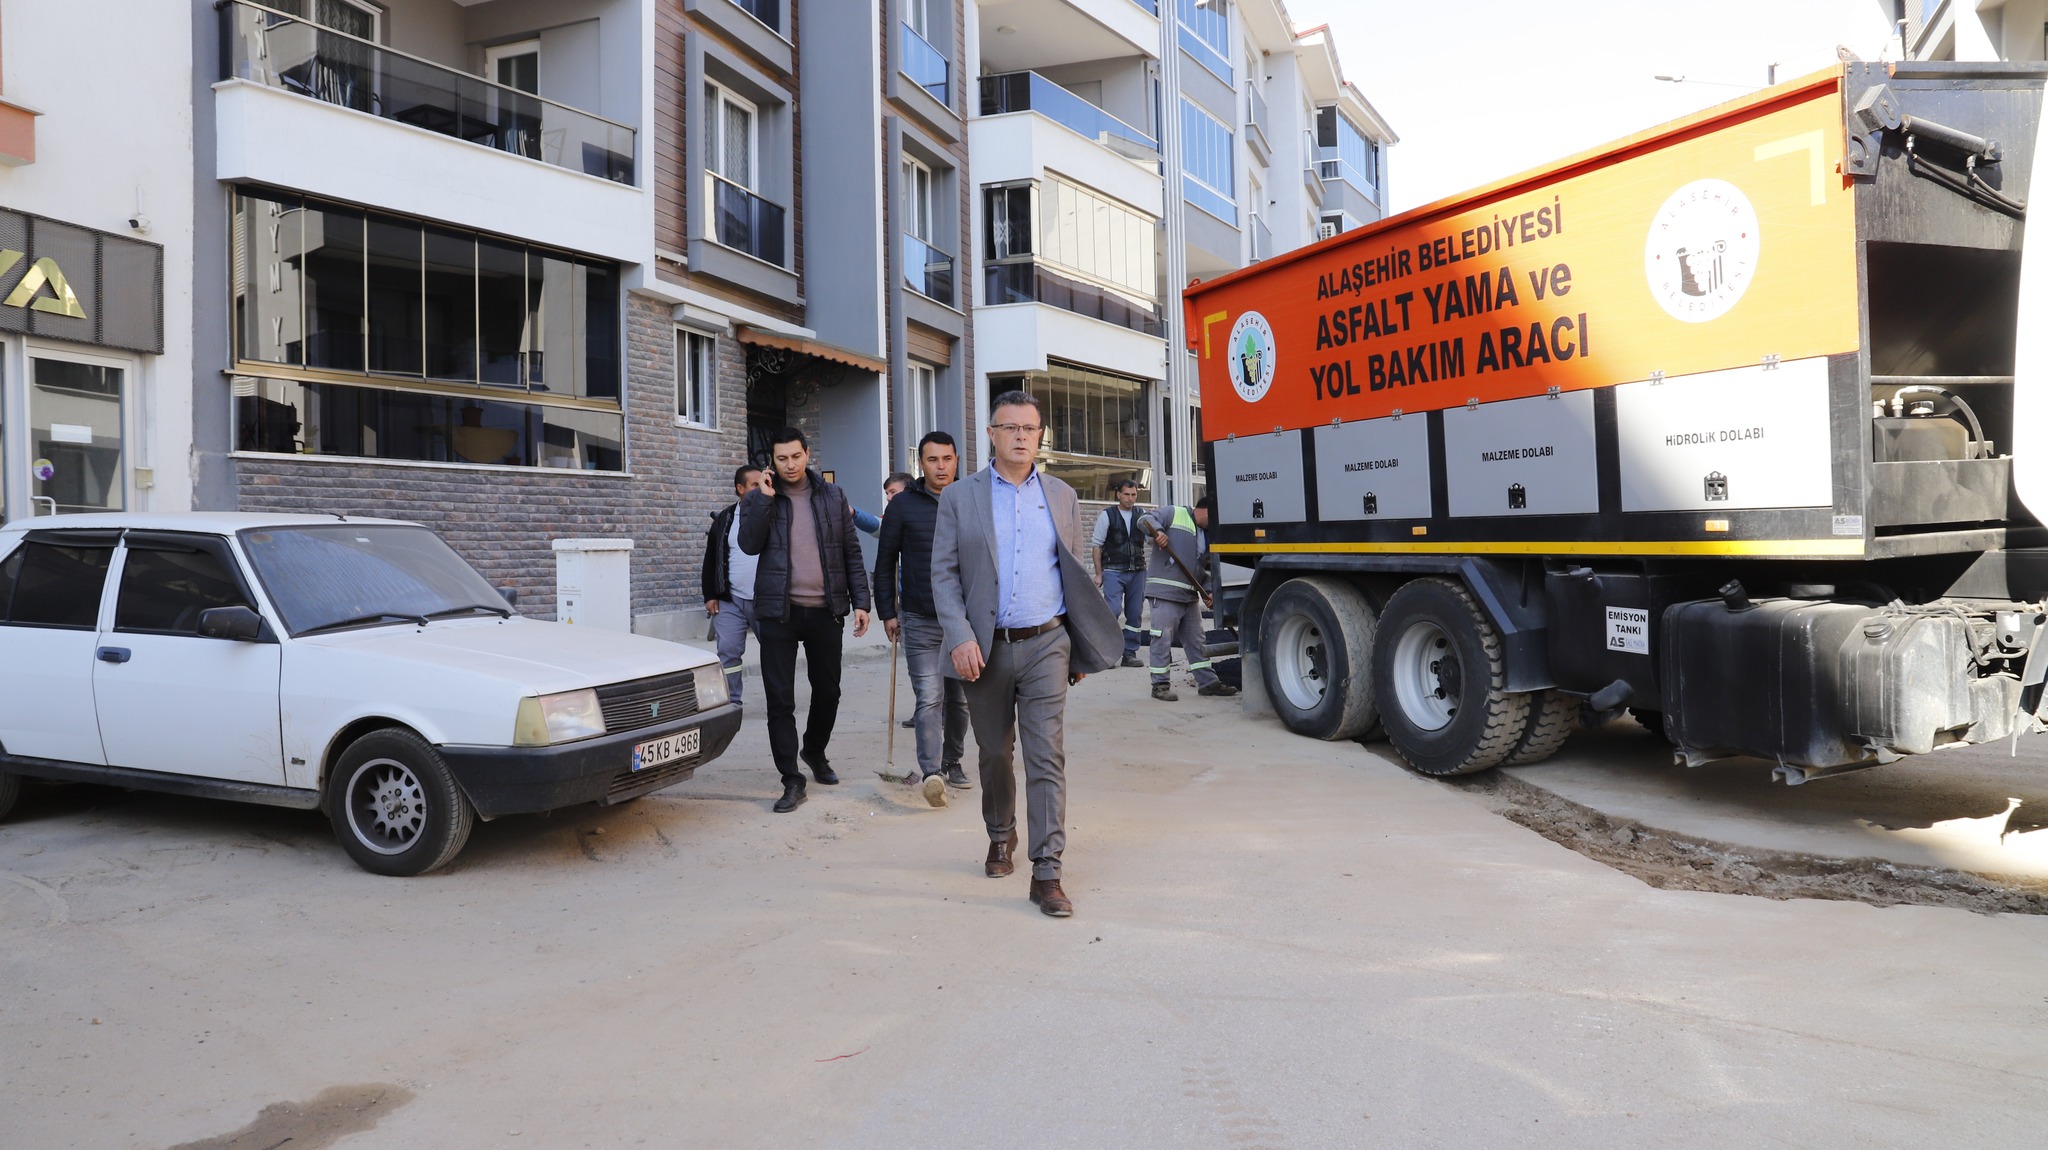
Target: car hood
column 537, row 655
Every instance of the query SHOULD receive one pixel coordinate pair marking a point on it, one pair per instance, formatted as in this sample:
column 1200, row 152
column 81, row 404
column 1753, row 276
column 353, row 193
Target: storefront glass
column 75, row 431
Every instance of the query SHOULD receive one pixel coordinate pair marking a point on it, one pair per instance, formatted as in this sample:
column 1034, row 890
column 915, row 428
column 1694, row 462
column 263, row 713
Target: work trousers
column 1021, row 698
column 823, row 637
column 1176, row 622
column 735, row 619
column 1125, row 593
column 941, row 701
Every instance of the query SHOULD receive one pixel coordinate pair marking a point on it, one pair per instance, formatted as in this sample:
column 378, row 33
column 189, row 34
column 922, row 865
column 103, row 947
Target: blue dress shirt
column 1028, row 590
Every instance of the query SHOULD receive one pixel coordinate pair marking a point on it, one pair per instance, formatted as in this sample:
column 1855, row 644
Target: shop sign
column 81, row 285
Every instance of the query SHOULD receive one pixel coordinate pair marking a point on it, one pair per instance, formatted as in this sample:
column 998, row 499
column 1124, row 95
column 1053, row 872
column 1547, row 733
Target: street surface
column 1278, row 943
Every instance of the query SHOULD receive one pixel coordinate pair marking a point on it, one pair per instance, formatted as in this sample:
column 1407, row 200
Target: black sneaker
column 956, row 778
column 908, row 723
column 1218, row 691
column 792, row 795
column 821, row 769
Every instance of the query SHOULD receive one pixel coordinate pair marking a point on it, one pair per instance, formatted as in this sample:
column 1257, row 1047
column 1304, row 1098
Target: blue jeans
column 941, row 700
column 1125, row 593
column 734, row 619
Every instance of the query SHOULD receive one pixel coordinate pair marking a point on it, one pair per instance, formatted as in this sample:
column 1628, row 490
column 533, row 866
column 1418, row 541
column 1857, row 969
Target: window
column 917, row 15
column 917, row 199
column 729, row 136
column 56, row 584
column 515, row 65
column 1208, row 161
column 167, row 582
column 696, row 378
column 75, row 425
column 1071, row 247
column 1205, row 34
column 921, row 408
column 1097, row 428
column 1347, row 153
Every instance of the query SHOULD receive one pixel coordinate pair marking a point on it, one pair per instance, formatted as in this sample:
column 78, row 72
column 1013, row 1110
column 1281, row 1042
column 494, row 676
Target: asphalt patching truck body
column 1740, row 424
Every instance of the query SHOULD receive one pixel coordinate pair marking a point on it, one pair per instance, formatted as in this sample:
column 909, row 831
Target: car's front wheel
column 395, row 807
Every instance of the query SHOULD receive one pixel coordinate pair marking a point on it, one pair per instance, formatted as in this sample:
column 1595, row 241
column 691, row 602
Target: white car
column 356, row 666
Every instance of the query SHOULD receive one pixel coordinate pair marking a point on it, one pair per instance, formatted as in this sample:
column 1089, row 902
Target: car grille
column 641, row 703
column 631, row 784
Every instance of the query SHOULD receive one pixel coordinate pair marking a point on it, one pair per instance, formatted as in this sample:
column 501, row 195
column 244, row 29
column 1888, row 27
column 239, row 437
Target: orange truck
column 1739, row 424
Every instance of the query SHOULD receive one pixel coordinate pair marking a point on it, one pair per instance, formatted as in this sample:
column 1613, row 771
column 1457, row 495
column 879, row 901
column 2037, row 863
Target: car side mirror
column 230, row 623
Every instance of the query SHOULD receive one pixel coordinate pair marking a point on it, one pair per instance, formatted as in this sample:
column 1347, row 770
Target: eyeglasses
column 1015, row 429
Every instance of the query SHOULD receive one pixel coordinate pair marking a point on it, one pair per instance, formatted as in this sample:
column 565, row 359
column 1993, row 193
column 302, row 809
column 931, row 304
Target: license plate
column 655, row 752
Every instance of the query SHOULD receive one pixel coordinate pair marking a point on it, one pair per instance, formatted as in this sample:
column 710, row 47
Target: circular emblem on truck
column 1702, row 250
column 1250, row 356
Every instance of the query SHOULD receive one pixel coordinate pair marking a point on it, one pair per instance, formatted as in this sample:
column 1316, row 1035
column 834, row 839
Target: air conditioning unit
column 1326, row 229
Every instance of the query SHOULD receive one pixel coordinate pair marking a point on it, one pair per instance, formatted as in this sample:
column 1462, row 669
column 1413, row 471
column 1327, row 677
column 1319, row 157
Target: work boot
column 1218, row 690
column 1164, row 693
column 956, row 777
column 792, row 795
column 907, row 724
column 935, row 789
column 821, row 769
column 1131, row 660
column 1050, row 898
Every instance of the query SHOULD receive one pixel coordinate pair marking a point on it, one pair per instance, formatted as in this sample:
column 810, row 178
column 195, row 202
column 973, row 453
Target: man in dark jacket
column 810, row 575
column 729, row 580
column 941, row 702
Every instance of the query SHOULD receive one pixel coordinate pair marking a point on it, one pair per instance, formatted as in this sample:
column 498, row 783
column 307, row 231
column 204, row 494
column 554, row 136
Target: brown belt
column 1019, row 634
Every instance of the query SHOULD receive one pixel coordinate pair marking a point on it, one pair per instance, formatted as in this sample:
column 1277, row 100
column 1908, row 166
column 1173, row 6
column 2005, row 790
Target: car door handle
column 112, row 654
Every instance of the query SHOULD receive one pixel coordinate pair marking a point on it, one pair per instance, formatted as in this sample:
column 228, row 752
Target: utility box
column 593, row 583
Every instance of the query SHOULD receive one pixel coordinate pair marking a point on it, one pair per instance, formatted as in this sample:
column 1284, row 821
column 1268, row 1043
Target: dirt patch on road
column 1671, row 861
column 322, row 1120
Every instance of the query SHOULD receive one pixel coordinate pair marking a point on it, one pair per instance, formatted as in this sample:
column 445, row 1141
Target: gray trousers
column 1181, row 623
column 941, row 701
column 1021, row 697
column 729, row 627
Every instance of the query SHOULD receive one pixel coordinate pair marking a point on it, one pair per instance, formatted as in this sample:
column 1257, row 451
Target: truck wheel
column 1439, row 671
column 1552, row 716
column 1315, row 644
column 10, row 790
column 395, row 807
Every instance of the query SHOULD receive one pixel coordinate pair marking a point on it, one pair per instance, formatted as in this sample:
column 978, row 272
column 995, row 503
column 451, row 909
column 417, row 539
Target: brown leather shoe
column 999, row 857
column 1050, row 898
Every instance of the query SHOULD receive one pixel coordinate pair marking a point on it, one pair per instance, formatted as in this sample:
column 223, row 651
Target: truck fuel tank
column 1819, row 686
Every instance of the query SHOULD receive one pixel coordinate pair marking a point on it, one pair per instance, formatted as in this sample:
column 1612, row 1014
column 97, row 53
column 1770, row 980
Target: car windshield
column 329, row 575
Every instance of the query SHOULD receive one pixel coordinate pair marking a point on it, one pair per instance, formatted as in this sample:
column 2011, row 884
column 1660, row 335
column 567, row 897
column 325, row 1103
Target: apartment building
column 95, row 202
column 1123, row 148
column 1972, row 29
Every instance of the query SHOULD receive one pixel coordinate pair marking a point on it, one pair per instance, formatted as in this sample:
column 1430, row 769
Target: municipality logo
column 1702, row 250
column 1251, row 356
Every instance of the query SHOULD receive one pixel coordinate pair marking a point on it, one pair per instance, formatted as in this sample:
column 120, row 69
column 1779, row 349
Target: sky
column 1481, row 89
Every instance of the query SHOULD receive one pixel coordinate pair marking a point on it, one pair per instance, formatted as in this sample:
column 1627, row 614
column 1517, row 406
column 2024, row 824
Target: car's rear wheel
column 1440, row 674
column 1316, row 642
column 395, row 807
column 10, row 790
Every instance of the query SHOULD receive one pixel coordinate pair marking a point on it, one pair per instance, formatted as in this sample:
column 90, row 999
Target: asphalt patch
column 327, row 1117
column 1671, row 861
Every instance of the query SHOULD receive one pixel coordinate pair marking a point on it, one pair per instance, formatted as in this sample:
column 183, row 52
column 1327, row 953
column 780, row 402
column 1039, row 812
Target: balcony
column 281, row 51
column 1031, row 282
column 1262, row 239
column 1257, row 121
column 926, row 66
column 743, row 221
column 1347, row 189
column 1031, row 92
column 927, row 270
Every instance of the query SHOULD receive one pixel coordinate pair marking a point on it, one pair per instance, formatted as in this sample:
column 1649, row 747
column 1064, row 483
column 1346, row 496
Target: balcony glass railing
column 926, row 66
column 282, row 51
column 744, row 221
column 1257, row 108
column 768, row 12
column 1262, row 238
column 1339, row 170
column 1151, row 6
column 1026, row 282
column 927, row 270
column 1031, row 92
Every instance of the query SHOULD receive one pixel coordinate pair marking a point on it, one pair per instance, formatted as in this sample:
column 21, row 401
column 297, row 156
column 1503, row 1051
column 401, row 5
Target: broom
column 889, row 772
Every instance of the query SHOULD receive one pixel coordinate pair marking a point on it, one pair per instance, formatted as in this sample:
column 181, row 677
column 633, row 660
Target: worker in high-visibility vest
column 1173, row 594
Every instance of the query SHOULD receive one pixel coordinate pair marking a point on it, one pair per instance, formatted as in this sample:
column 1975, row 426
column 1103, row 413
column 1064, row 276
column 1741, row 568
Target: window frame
column 921, row 407
column 512, row 50
column 696, row 391
column 1227, row 156
column 717, row 96
column 33, row 350
column 133, row 542
column 920, row 199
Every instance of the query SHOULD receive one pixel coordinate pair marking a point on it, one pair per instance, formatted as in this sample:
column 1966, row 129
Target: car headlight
column 711, row 688
column 559, row 718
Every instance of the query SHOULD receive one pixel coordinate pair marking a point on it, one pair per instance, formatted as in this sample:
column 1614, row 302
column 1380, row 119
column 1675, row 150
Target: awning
column 761, row 337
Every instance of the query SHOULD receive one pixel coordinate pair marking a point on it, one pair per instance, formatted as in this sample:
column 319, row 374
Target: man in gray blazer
column 1022, row 622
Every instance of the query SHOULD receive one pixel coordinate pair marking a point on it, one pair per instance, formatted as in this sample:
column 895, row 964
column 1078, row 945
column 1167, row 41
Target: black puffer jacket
column 907, row 527
column 764, row 531
column 717, row 556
